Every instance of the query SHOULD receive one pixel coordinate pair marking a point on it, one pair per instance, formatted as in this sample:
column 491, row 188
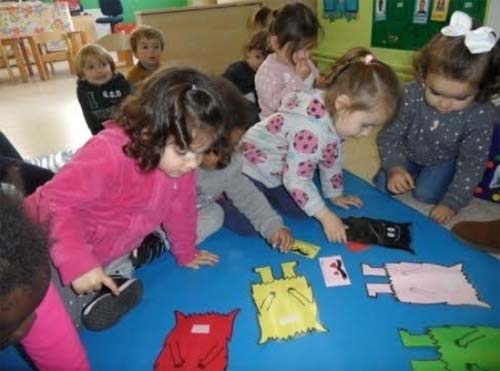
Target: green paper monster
column 461, row 348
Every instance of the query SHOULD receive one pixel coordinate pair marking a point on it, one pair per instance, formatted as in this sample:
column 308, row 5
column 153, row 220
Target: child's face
column 211, row 160
column 175, row 163
column 96, row 71
column 446, row 95
column 255, row 58
column 17, row 312
column 149, row 52
column 285, row 54
column 358, row 123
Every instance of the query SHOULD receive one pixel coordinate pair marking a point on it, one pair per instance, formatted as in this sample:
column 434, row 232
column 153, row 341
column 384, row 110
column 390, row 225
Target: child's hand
column 93, row 280
column 282, row 239
column 400, row 180
column 204, row 257
column 301, row 61
column 333, row 227
column 346, row 202
column 442, row 214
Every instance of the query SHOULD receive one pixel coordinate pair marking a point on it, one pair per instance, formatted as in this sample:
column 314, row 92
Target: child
column 283, row 151
column 100, row 87
column 293, row 33
column 148, row 156
column 260, row 19
column 438, row 143
column 220, row 172
column 147, row 45
column 31, row 311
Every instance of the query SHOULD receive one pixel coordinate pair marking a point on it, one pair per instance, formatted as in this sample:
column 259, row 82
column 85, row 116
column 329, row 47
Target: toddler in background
column 31, row 310
column 438, row 144
column 293, row 33
column 100, row 87
column 220, row 172
column 147, row 156
column 283, row 151
column 242, row 73
column 260, row 19
column 147, row 45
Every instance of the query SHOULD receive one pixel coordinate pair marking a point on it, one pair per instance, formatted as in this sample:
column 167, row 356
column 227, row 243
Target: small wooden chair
column 11, row 49
column 5, row 62
column 119, row 43
column 49, row 55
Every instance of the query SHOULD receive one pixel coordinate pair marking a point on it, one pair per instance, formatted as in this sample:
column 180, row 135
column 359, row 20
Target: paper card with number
column 305, row 249
column 334, row 271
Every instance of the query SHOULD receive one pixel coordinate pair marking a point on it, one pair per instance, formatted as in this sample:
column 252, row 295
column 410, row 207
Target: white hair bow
column 480, row 40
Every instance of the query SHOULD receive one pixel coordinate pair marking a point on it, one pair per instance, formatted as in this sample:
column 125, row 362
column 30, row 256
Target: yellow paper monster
column 286, row 306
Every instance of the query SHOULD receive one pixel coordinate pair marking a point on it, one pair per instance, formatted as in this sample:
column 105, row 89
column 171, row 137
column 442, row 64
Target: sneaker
column 484, row 236
column 52, row 161
column 153, row 246
column 106, row 309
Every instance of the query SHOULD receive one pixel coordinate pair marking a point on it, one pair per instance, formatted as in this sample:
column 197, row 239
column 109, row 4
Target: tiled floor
column 40, row 117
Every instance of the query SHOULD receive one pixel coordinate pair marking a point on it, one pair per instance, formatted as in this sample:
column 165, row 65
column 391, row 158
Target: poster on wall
column 338, row 9
column 440, row 10
column 421, row 13
column 380, row 10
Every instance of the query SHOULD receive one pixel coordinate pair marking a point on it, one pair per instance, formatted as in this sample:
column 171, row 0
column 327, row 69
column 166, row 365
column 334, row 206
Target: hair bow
column 480, row 40
column 370, row 58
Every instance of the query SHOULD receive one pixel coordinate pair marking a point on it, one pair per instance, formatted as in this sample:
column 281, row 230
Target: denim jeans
column 431, row 182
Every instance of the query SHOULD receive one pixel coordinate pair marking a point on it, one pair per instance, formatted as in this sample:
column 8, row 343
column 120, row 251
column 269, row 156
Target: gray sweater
column 424, row 136
column 242, row 192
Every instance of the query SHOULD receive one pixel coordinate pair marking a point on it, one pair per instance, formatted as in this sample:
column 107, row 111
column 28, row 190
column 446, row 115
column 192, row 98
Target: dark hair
column 448, row 56
column 238, row 118
column 258, row 41
column 23, row 249
column 172, row 105
column 365, row 80
column 261, row 18
column 145, row 32
column 296, row 25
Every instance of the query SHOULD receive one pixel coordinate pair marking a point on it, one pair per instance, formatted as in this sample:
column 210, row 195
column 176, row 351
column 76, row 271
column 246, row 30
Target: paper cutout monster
column 460, row 348
column 197, row 342
column 423, row 283
column 305, row 249
column 286, row 306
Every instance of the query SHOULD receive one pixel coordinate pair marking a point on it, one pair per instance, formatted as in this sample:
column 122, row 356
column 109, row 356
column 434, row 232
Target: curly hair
column 367, row 82
column 24, row 256
column 449, row 57
column 145, row 32
column 174, row 105
column 295, row 25
column 239, row 118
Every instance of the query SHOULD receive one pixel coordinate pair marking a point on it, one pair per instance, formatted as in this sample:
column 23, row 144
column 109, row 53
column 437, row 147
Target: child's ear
column 342, row 103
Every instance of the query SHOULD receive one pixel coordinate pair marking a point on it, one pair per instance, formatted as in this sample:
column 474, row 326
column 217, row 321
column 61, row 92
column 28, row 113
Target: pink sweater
column 62, row 350
column 99, row 207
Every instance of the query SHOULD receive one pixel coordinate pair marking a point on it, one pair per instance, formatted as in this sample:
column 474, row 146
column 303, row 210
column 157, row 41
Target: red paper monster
column 197, row 342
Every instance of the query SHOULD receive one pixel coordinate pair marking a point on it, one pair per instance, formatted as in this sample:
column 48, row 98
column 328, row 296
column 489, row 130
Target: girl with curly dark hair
column 134, row 176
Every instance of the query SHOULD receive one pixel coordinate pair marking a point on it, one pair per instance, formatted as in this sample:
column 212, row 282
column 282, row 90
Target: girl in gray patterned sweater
column 438, row 144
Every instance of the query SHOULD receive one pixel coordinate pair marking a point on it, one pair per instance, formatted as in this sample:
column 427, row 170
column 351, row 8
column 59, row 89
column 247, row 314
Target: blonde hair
column 145, row 32
column 92, row 50
column 365, row 80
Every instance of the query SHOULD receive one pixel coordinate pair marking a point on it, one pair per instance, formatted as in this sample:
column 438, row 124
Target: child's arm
column 94, row 124
column 52, row 343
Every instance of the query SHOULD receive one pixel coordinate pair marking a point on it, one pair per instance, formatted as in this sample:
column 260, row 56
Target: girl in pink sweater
column 132, row 177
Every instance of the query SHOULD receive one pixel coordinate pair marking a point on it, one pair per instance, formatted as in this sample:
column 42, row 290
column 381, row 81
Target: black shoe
column 153, row 246
column 106, row 309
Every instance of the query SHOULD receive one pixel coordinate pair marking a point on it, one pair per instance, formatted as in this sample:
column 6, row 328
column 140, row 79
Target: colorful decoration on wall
column 423, row 283
column 459, row 348
column 340, row 9
column 440, row 10
column 380, row 10
column 286, row 306
column 197, row 342
column 421, row 12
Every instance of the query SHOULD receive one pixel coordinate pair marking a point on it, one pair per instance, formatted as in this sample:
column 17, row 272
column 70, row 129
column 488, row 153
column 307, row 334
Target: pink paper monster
column 424, row 283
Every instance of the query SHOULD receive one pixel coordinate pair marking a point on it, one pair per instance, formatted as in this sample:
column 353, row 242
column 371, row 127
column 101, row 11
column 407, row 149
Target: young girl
column 438, row 143
column 126, row 181
column 100, row 87
column 220, row 172
column 31, row 311
column 293, row 34
column 283, row 151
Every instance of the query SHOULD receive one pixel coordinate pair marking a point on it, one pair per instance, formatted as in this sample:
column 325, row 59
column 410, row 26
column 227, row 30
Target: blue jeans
column 431, row 182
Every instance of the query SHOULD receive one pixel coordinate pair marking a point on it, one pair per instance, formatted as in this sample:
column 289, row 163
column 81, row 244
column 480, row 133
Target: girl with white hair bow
column 438, row 144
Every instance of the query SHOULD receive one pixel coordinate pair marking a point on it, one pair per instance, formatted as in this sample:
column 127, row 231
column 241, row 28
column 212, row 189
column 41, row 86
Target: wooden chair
column 49, row 54
column 5, row 62
column 119, row 43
